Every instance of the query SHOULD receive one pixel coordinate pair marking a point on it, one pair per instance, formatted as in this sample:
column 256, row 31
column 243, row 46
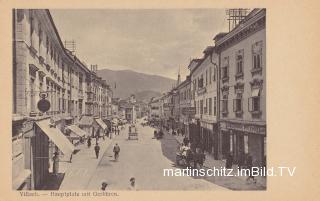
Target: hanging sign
column 43, row 104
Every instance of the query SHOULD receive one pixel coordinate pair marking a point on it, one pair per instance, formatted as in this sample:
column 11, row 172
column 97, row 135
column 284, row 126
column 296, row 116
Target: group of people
column 191, row 153
column 245, row 162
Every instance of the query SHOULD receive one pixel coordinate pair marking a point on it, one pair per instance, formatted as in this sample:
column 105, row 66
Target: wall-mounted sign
column 244, row 128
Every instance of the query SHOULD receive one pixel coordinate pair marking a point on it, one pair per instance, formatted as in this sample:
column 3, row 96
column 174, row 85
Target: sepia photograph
column 139, row 99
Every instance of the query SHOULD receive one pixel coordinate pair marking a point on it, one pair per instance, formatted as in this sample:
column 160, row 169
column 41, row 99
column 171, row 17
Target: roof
column 255, row 13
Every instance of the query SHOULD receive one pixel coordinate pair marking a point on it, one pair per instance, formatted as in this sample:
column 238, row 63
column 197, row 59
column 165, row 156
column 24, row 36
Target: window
column 47, row 44
column 201, row 106
column 40, row 38
column 206, row 77
column 225, row 104
column 200, row 82
column 32, row 95
column 224, row 72
column 206, row 107
column 31, row 26
column 246, row 145
column 198, row 107
column 239, row 64
column 210, row 106
column 237, row 103
column 215, row 106
column 214, row 74
column 225, row 68
column 197, row 110
column 257, row 55
column 256, row 61
column 254, row 104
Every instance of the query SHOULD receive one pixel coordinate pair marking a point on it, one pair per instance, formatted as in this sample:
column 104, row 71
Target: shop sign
column 189, row 111
column 247, row 128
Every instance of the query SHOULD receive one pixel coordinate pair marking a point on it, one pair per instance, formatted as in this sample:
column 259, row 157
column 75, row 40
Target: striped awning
column 101, row 123
column 57, row 137
column 78, row 131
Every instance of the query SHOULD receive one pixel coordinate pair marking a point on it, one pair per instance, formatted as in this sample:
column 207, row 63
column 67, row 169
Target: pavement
column 76, row 175
column 234, row 182
column 145, row 159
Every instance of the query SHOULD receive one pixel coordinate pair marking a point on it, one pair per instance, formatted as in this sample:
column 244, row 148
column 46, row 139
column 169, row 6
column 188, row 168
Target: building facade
column 186, row 112
column 243, row 89
column 45, row 75
column 204, row 79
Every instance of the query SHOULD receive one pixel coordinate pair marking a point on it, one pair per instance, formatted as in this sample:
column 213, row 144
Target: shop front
column 209, row 137
column 243, row 139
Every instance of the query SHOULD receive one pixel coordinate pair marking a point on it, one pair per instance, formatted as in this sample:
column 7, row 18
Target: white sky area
column 143, row 40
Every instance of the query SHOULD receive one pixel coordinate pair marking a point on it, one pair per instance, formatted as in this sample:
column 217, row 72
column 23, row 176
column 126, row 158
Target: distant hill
column 128, row 82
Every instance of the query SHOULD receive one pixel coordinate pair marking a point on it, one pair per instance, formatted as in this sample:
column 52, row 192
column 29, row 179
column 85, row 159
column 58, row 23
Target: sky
column 150, row 41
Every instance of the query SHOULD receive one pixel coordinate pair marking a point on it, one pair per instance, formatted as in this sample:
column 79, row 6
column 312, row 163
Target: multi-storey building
column 155, row 109
column 204, row 80
column 168, row 109
column 43, row 70
column 243, row 88
column 186, row 112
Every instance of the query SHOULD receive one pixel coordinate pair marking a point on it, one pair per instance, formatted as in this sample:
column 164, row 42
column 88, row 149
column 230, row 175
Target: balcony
column 255, row 71
column 239, row 114
column 239, row 76
column 225, row 79
column 201, row 91
column 256, row 114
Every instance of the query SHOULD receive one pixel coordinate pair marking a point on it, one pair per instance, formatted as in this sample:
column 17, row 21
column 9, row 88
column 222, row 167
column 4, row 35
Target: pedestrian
column 249, row 167
column 97, row 150
column 116, row 150
column 55, row 168
column 229, row 161
column 186, row 140
column 97, row 135
column 104, row 186
column 202, row 157
column 89, row 142
column 132, row 186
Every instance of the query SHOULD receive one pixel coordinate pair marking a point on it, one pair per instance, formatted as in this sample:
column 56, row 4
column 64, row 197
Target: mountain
column 127, row 82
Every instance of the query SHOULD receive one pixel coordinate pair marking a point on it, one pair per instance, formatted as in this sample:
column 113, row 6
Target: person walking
column 55, row 168
column 229, row 161
column 97, row 150
column 104, row 186
column 89, row 142
column 132, row 186
column 116, row 150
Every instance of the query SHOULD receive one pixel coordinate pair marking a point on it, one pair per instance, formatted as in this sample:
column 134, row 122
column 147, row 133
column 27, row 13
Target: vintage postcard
column 152, row 99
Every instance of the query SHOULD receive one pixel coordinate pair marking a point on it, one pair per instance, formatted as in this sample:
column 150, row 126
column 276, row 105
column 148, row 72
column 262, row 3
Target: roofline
column 244, row 23
column 60, row 41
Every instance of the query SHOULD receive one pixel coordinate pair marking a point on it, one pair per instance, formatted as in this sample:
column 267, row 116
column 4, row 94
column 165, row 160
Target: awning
column 255, row 92
column 86, row 121
column 78, row 131
column 101, row 124
column 57, row 137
